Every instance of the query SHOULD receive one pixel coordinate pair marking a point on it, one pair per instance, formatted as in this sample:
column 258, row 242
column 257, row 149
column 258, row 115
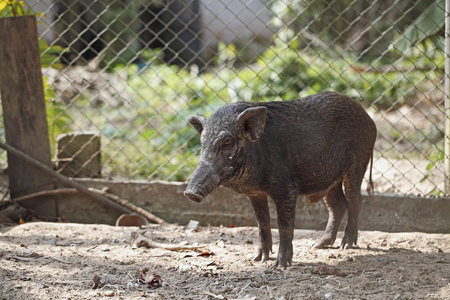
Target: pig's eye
column 227, row 141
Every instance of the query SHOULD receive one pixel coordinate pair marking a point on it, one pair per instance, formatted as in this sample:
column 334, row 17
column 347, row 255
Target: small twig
column 92, row 248
column 142, row 241
column 22, row 258
column 57, row 259
column 46, row 193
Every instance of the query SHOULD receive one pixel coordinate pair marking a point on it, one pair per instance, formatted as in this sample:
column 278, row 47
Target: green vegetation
column 14, row 8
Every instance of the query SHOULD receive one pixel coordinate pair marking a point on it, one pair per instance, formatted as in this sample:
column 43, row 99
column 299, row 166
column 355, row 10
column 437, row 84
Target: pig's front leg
column 261, row 207
column 286, row 219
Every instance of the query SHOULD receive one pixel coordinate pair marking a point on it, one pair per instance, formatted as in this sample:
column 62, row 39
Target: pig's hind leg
column 352, row 184
column 261, row 207
column 337, row 205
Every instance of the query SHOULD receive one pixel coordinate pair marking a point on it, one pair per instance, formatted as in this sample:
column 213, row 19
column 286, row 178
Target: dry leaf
column 97, row 281
column 153, row 280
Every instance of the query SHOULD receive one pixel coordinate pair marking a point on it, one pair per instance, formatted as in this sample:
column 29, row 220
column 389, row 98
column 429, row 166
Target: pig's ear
column 252, row 122
column 197, row 122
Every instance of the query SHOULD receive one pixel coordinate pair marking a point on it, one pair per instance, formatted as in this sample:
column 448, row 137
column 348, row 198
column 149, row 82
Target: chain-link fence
column 134, row 71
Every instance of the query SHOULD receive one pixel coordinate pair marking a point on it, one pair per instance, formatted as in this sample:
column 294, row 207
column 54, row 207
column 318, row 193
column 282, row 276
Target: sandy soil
column 75, row 261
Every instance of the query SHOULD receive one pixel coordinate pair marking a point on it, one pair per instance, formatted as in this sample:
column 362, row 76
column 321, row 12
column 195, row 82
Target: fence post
column 24, row 113
column 447, row 98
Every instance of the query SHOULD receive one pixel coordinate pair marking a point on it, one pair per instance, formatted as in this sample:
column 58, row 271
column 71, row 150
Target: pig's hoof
column 284, row 260
column 282, row 264
column 348, row 241
column 319, row 245
column 323, row 242
column 345, row 246
column 276, row 266
column 261, row 257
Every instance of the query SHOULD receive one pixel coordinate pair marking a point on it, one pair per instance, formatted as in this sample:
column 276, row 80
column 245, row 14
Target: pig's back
column 317, row 138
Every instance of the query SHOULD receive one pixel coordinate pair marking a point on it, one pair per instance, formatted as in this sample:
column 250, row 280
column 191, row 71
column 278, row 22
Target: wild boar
column 315, row 146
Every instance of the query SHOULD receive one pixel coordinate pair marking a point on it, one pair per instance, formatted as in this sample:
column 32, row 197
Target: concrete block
column 79, row 154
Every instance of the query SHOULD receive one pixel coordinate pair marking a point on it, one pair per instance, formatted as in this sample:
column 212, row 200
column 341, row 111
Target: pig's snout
column 193, row 196
column 203, row 181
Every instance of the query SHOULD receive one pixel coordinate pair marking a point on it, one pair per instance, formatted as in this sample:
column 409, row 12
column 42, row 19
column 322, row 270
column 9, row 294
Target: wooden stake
column 24, row 114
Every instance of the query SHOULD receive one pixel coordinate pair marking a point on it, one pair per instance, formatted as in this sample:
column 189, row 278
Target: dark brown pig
column 314, row 146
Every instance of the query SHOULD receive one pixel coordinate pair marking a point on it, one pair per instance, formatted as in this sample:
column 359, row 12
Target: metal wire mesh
column 134, row 71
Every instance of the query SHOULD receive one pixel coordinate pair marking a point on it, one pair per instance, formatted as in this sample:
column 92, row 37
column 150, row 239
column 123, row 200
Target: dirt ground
column 76, row 261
